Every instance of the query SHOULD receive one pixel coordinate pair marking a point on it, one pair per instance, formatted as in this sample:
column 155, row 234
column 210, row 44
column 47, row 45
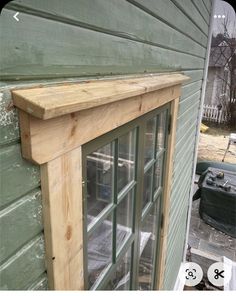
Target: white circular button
column 219, row 274
column 191, row 274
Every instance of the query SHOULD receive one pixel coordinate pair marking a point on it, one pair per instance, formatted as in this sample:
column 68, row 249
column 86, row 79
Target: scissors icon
column 218, row 274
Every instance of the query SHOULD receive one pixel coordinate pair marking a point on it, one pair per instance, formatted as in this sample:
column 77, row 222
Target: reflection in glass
column 161, row 130
column 158, row 173
column 147, row 249
column 124, row 219
column 126, row 159
column 149, row 140
column 120, row 280
column 99, row 250
column 147, row 187
column 99, row 180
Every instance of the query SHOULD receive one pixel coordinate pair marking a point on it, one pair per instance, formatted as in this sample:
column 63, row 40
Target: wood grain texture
column 63, row 225
column 69, row 131
column 55, row 101
column 166, row 195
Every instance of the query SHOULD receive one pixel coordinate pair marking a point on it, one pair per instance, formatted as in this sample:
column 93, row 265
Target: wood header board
column 54, row 101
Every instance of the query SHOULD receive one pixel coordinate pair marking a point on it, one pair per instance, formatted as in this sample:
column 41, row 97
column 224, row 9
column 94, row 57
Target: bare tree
column 226, row 47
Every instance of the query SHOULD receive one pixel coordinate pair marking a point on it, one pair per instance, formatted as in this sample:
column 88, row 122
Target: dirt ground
column 213, row 143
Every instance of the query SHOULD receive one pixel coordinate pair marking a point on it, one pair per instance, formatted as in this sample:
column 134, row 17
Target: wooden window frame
column 138, row 127
column 54, row 123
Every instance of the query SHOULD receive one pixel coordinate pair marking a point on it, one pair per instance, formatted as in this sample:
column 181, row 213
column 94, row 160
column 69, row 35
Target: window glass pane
column 126, row 159
column 99, row 250
column 161, row 124
column 99, row 180
column 147, row 187
column 147, row 250
column 124, row 219
column 120, row 280
column 149, row 140
column 158, row 173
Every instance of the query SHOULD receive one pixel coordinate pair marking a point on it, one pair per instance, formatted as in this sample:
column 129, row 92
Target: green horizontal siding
column 169, row 13
column 104, row 16
column 17, row 175
column 25, row 267
column 192, row 12
column 91, row 39
column 40, row 284
column 20, row 222
column 184, row 153
column 202, row 8
column 91, row 52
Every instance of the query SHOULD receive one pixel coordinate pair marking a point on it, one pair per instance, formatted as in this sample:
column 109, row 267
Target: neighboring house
column 219, row 74
column 60, row 44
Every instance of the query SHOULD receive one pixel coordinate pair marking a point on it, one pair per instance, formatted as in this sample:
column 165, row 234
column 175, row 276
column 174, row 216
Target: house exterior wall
column 216, row 87
column 56, row 41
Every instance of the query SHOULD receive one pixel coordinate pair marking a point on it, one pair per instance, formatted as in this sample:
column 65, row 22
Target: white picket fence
column 211, row 113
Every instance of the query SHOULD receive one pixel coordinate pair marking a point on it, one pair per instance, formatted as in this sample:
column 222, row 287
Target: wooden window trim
column 54, row 123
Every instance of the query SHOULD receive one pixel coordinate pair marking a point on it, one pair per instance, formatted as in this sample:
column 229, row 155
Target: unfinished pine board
column 69, row 131
column 55, row 101
column 166, row 195
column 63, row 226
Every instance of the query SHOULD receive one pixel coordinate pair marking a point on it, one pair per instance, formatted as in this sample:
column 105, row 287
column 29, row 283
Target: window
column 102, row 151
column 122, row 203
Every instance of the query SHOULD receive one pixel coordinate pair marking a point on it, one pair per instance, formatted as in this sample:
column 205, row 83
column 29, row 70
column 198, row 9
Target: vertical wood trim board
column 62, row 207
column 166, row 194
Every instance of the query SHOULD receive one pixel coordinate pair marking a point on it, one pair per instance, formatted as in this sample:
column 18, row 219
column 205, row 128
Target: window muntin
column 150, row 140
column 124, row 219
column 120, row 279
column 161, row 130
column 99, row 250
column 129, row 153
column 149, row 227
column 158, row 169
column 126, row 160
column 99, row 181
column 147, row 188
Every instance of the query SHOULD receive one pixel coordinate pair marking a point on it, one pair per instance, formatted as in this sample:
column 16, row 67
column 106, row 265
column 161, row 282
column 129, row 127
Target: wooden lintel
column 54, row 101
column 53, row 137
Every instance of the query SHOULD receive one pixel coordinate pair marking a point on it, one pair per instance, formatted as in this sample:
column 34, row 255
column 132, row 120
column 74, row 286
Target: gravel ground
column 213, row 146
